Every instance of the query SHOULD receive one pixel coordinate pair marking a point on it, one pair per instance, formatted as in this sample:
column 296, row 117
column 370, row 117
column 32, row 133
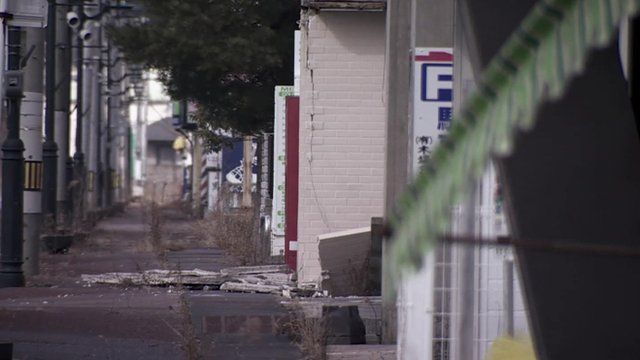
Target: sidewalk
column 59, row 317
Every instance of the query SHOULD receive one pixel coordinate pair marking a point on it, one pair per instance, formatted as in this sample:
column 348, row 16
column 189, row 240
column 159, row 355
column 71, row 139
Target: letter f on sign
column 437, row 82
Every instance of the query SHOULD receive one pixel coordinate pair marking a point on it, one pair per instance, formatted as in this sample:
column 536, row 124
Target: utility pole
column 431, row 33
column 397, row 162
column 410, row 24
column 124, row 141
column 116, row 126
column 87, row 130
column 124, row 133
column 90, row 100
column 12, row 170
column 31, row 134
column 126, row 137
column 99, row 111
column 108, row 172
column 93, row 138
column 128, row 171
column 139, row 90
column 247, row 171
column 62, row 101
column 144, row 111
column 78, row 157
column 49, row 147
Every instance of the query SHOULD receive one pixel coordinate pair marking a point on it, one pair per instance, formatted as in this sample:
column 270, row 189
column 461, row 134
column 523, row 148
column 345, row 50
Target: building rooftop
column 161, row 131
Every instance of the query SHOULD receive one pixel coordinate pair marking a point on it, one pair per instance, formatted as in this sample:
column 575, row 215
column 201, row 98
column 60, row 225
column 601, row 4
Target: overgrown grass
column 236, row 233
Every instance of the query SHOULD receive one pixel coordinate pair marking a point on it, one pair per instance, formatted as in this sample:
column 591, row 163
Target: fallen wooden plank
column 157, row 278
column 261, row 269
column 251, row 288
column 272, row 279
column 194, row 272
column 192, row 277
column 361, row 352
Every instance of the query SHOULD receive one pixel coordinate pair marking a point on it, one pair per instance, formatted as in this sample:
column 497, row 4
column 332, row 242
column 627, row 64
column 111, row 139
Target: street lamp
column 11, row 274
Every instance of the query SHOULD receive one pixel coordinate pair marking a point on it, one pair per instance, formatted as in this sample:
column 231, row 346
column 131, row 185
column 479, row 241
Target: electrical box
column 13, row 83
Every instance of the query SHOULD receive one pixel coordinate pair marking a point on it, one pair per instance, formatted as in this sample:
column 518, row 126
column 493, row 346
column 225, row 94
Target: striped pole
column 196, row 171
column 204, row 181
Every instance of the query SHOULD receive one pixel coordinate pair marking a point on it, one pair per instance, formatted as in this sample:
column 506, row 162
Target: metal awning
column 352, row 5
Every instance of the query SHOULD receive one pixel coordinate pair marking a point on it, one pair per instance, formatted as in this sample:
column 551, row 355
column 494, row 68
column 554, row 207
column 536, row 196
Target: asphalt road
column 57, row 316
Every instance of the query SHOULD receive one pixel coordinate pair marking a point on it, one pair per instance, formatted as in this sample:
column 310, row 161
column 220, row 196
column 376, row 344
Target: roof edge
column 352, row 5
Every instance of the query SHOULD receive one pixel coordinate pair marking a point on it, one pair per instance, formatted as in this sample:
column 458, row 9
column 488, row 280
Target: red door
column 291, row 181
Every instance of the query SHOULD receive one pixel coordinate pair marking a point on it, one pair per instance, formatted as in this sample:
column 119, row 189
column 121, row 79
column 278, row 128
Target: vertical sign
column 297, row 41
column 176, row 114
column 291, row 177
column 432, row 101
column 31, row 122
column 211, row 167
column 214, row 190
column 27, row 13
column 232, row 164
column 279, row 138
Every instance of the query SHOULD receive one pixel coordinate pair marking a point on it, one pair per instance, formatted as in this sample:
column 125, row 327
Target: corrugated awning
column 535, row 64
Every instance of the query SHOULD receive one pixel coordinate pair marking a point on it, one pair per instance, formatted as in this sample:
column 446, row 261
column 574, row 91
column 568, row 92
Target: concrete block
column 361, row 352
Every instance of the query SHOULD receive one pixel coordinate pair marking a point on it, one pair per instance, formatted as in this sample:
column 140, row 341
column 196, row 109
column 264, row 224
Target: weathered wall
column 342, row 128
column 164, row 177
column 343, row 256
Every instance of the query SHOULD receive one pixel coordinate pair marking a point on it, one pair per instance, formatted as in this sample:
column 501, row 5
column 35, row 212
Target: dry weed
column 155, row 226
column 310, row 334
column 234, row 232
column 358, row 276
column 190, row 342
column 154, row 221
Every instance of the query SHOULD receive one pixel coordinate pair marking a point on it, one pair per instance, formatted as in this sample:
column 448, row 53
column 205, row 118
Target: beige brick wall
column 342, row 128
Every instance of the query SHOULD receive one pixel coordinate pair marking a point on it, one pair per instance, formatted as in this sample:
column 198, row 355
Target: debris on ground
column 187, row 278
column 267, row 279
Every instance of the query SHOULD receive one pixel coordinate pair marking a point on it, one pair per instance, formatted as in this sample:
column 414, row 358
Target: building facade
column 342, row 126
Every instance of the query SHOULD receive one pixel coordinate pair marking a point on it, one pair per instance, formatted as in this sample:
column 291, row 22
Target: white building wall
column 155, row 105
column 342, row 128
column 490, row 277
